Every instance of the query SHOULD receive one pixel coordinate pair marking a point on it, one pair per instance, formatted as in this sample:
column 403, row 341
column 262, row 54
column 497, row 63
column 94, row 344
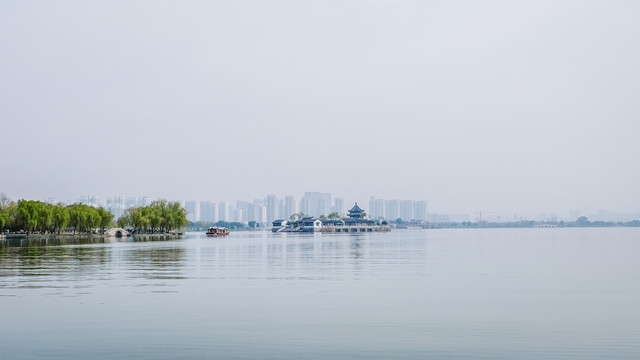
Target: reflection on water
column 57, row 240
column 454, row 294
column 156, row 262
column 49, row 262
column 42, row 264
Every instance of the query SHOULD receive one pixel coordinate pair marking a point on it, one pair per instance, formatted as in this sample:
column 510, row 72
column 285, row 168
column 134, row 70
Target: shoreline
column 23, row 240
column 79, row 235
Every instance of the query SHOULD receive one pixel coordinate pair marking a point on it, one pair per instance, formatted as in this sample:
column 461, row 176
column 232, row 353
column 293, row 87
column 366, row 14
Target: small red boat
column 217, row 231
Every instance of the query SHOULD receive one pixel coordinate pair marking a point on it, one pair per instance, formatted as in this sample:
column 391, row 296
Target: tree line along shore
column 30, row 217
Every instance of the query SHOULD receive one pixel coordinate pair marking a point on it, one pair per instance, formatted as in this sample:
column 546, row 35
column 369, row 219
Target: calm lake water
column 414, row 294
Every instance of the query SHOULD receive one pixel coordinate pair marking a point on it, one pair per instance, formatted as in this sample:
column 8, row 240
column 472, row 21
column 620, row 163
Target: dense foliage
column 36, row 216
column 159, row 216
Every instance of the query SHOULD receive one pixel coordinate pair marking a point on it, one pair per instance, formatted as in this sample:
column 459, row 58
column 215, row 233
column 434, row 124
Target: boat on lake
column 217, row 231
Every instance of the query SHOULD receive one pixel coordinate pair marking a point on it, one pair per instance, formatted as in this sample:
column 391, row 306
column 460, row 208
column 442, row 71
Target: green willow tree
column 159, row 216
column 36, row 216
column 84, row 218
column 61, row 217
column 8, row 210
column 106, row 218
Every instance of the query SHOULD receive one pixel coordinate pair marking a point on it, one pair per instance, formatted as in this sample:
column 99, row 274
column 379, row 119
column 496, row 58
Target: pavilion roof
column 356, row 209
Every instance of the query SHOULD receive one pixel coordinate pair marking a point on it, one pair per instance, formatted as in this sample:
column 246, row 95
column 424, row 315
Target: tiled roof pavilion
column 355, row 212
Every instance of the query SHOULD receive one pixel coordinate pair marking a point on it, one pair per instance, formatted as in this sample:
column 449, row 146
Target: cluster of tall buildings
column 315, row 204
column 398, row 209
column 264, row 210
column 115, row 204
column 118, row 204
column 270, row 208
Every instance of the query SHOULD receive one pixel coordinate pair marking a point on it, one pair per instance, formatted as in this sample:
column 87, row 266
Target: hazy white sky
column 471, row 105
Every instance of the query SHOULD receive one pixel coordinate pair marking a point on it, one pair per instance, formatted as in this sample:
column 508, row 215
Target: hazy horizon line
column 479, row 213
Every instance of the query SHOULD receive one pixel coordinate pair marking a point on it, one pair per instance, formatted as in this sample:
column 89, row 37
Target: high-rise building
column 322, row 208
column 376, row 208
column 90, row 200
column 316, row 204
column 420, row 210
column 191, row 207
column 130, row 202
column 394, row 209
column 271, row 204
column 223, row 211
column 290, row 207
column 305, row 206
column 238, row 216
column 258, row 213
column 208, row 211
column 280, row 212
column 115, row 205
column 144, row 201
column 406, row 210
column 254, row 211
column 391, row 210
column 338, row 206
column 244, row 210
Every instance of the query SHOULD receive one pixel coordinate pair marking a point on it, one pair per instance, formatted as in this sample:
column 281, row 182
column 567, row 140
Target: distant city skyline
column 390, row 209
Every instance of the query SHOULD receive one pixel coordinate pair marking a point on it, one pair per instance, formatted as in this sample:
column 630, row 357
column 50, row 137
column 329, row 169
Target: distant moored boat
column 217, row 231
